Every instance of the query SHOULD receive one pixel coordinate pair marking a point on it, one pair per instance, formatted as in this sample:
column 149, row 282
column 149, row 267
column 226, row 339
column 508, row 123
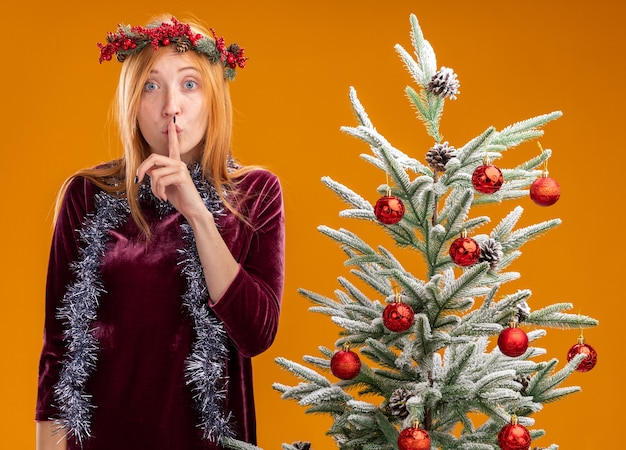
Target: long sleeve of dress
column 250, row 307
column 63, row 251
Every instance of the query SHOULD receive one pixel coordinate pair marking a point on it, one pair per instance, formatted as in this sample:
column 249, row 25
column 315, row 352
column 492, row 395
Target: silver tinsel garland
column 206, row 363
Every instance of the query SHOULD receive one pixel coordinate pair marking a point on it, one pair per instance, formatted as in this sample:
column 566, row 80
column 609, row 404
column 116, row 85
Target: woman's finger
column 164, row 177
column 172, row 136
column 152, row 162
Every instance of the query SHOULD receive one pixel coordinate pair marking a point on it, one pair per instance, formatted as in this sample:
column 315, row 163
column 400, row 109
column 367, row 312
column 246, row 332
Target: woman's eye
column 149, row 86
column 190, row 84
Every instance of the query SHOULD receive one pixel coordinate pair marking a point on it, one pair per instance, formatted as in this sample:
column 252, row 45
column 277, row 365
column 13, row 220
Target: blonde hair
column 117, row 177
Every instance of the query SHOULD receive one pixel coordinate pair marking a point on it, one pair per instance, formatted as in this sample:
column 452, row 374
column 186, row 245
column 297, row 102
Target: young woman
column 166, row 267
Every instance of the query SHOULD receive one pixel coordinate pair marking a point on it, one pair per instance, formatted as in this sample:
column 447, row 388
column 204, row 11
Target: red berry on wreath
column 513, row 341
column 545, row 191
column 389, row 209
column 514, row 436
column 464, row 251
column 345, row 364
column 414, row 438
column 581, row 348
column 398, row 316
column 487, row 179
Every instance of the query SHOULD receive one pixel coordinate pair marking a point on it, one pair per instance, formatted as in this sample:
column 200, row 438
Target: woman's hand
column 49, row 437
column 170, row 177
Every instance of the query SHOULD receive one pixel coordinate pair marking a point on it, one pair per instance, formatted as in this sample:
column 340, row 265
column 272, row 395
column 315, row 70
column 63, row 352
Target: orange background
column 514, row 60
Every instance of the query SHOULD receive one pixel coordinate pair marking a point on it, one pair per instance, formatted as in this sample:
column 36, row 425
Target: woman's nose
column 172, row 104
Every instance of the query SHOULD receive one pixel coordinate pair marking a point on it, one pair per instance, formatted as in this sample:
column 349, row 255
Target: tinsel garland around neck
column 205, row 366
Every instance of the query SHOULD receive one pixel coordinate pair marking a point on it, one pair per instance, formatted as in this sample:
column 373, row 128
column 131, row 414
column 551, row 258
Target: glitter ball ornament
column 398, row 316
column 514, row 436
column 513, row 341
column 464, row 251
column 487, row 179
column 545, row 191
column 345, row 364
column 581, row 348
column 389, row 210
column 414, row 438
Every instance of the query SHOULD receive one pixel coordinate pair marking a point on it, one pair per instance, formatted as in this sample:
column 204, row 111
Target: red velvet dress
column 138, row 387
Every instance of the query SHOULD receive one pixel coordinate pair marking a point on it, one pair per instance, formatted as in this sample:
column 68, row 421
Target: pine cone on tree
column 444, row 84
column 523, row 312
column 397, row 402
column 490, row 251
column 524, row 381
column 439, row 155
column 302, row 445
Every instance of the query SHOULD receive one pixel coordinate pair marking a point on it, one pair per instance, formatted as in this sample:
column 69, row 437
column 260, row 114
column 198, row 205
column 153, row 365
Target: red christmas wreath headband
column 128, row 40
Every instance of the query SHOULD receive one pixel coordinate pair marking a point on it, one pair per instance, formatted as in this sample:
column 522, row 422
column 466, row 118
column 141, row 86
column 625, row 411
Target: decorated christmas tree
column 448, row 359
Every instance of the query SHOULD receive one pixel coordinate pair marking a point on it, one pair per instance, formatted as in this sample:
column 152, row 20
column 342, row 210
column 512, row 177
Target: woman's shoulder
column 83, row 183
column 103, row 173
column 259, row 196
column 258, row 180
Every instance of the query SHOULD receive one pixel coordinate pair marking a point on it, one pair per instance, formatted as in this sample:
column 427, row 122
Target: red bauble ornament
column 464, row 251
column 592, row 356
column 398, row 316
column 545, row 191
column 514, row 436
column 414, row 438
column 487, row 179
column 513, row 342
column 345, row 364
column 389, row 209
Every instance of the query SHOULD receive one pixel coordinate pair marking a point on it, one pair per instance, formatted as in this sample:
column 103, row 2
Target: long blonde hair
column 117, row 177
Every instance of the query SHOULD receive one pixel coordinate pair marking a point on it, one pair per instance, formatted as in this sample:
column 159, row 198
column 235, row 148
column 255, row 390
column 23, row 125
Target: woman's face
column 173, row 88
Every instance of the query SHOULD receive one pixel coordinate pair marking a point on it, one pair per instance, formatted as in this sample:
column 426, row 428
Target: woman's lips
column 178, row 130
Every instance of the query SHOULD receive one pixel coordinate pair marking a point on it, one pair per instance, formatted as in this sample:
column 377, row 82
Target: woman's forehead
column 171, row 60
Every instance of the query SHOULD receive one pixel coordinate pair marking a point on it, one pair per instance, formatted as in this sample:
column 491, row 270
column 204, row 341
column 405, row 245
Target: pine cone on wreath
column 234, row 48
column 302, row 445
column 182, row 44
column 397, row 402
column 444, row 84
column 439, row 155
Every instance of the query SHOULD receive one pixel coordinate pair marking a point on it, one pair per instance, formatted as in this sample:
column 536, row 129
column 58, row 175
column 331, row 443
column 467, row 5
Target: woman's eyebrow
column 182, row 69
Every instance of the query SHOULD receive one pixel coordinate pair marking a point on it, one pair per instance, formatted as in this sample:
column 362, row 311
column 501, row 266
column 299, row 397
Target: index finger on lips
column 172, row 137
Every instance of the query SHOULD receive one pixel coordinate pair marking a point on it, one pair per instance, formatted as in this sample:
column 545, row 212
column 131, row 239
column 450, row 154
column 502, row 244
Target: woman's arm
column 48, row 437
column 219, row 266
column 63, row 250
column 250, row 307
column 246, row 296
